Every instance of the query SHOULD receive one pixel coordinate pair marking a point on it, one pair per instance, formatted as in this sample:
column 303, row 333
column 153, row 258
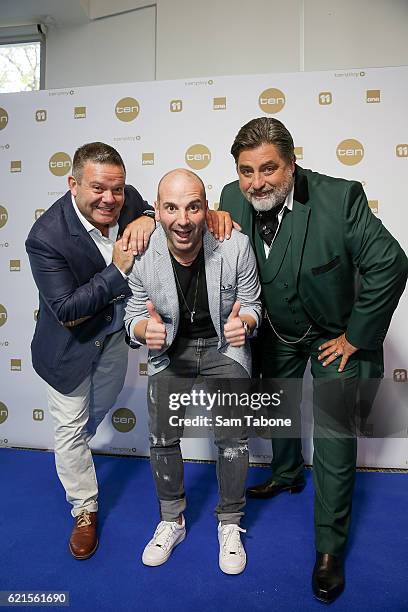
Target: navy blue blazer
column 73, row 281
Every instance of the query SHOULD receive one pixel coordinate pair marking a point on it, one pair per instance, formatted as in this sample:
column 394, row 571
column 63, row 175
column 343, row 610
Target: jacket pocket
column 326, row 267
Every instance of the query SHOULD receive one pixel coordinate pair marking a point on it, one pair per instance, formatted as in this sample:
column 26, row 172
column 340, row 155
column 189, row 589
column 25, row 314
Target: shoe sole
column 83, row 557
column 166, row 558
column 292, row 490
column 230, row 571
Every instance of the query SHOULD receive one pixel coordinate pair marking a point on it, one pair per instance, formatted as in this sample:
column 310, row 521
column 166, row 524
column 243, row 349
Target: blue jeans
column 192, row 359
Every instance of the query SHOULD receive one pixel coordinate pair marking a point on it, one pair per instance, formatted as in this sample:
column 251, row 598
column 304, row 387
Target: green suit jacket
column 334, row 236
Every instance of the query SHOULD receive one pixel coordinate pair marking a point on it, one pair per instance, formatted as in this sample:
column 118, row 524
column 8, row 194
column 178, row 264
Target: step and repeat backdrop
column 350, row 124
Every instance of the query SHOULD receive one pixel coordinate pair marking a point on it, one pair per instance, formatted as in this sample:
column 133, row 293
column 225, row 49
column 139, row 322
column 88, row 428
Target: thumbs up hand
column 155, row 332
column 234, row 330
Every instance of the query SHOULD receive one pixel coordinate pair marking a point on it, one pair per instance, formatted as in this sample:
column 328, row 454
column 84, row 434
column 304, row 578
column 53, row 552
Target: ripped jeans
column 192, row 360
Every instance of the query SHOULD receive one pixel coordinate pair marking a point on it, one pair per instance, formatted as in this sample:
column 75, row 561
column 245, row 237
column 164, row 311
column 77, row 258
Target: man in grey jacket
column 194, row 303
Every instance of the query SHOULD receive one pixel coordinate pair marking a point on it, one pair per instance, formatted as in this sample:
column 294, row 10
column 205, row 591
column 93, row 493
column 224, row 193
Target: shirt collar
column 289, row 200
column 113, row 231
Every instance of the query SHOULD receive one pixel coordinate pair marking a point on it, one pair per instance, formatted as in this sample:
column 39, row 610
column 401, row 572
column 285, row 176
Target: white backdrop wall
column 322, row 109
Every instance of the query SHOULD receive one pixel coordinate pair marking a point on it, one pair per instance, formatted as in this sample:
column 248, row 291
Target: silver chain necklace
column 192, row 312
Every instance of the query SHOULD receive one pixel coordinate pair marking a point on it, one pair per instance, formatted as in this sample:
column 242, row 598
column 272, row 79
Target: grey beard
column 276, row 197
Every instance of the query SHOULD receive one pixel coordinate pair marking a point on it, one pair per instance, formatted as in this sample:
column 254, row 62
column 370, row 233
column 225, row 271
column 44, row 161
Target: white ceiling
column 51, row 12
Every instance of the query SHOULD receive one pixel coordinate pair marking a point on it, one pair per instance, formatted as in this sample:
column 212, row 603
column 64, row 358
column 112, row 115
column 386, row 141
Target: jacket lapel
column 213, row 270
column 300, row 218
column 165, row 276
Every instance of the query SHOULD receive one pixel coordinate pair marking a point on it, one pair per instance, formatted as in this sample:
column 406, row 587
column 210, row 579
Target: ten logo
column 373, row 204
column 123, row 420
column 60, row 164
column 3, row 216
column 176, row 106
column 400, row 375
column 272, row 100
column 38, row 212
column 198, row 156
column 3, row 412
column 127, row 109
column 36, row 314
column 3, row 315
column 325, row 98
column 41, row 115
column 401, row 150
column 38, row 415
column 350, row 152
column 3, row 118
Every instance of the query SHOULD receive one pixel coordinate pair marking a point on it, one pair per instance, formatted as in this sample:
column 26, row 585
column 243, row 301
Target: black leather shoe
column 271, row 488
column 328, row 577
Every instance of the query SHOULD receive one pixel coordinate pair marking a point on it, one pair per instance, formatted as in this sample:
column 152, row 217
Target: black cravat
column 267, row 223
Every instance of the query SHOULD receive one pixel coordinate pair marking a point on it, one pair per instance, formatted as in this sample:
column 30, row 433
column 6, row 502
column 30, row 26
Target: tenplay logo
column 3, row 216
column 3, row 315
column 60, row 164
column 3, row 412
column 325, row 98
column 176, row 106
column 272, row 100
column 123, row 420
column 80, row 112
column 298, row 151
column 38, row 212
column 400, row 375
column 147, row 159
column 15, row 365
column 373, row 96
column 40, row 115
column 401, row 150
column 15, row 166
column 15, row 265
column 198, row 156
column 373, row 204
column 220, row 103
column 350, row 152
column 38, row 414
column 127, row 109
column 3, row 118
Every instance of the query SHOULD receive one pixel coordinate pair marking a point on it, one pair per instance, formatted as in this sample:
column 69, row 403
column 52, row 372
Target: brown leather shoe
column 328, row 577
column 84, row 541
column 271, row 488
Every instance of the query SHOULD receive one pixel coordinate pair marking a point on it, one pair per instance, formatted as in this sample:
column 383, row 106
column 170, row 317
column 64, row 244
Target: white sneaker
column 166, row 537
column 232, row 557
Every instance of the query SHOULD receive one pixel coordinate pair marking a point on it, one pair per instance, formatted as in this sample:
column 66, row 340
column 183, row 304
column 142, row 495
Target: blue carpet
column 35, row 525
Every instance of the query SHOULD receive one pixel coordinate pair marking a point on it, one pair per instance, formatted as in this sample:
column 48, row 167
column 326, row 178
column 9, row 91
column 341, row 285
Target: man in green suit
column 312, row 234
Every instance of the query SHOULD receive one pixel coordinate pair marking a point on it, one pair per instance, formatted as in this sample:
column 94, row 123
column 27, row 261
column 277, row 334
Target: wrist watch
column 149, row 213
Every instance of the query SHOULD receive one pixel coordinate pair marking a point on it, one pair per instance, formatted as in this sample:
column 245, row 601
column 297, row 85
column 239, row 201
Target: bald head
column 179, row 178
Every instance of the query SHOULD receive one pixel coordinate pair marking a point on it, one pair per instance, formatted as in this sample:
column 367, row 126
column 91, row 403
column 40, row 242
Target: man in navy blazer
column 79, row 349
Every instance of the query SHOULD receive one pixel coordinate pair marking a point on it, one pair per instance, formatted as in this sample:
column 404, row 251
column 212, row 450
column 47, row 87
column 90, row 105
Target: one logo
column 325, row 98
column 373, row 96
column 38, row 414
column 142, row 369
column 400, row 375
column 41, row 115
column 3, row 118
column 3, row 413
column 176, row 106
column 298, row 152
column 80, row 112
column 272, row 100
column 147, row 159
column 215, row 205
column 220, row 103
column 127, row 109
column 123, row 420
column 350, row 152
column 60, row 164
column 36, row 311
column 198, row 156
column 15, row 365
column 3, row 315
column 373, row 204
column 3, row 216
column 401, row 150
column 15, row 166
column 15, row 265
column 38, row 212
